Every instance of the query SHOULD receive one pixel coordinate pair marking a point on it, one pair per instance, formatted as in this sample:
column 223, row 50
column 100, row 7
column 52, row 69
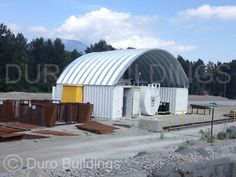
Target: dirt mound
column 185, row 150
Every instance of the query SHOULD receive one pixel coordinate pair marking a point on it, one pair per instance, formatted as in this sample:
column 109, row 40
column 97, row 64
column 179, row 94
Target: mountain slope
column 70, row 45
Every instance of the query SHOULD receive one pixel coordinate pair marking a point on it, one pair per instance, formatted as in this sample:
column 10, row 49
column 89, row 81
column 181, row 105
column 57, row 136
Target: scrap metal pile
column 96, row 127
column 16, row 131
column 44, row 112
column 18, row 119
column 53, row 132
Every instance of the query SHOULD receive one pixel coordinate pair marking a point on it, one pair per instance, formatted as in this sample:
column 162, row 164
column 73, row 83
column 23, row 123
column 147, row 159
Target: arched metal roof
column 107, row 68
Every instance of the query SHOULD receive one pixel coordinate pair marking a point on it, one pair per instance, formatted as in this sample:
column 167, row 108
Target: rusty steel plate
column 56, row 133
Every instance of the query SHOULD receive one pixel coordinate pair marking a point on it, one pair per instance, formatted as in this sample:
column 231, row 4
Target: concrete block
column 154, row 125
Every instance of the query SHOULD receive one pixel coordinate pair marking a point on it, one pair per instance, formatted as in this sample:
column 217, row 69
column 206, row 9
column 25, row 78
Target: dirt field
column 24, row 96
column 205, row 100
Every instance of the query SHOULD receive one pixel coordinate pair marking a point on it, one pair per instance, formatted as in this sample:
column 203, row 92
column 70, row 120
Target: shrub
column 162, row 135
column 221, row 136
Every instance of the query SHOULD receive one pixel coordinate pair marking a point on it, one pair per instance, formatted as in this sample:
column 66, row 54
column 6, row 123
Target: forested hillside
column 217, row 79
column 23, row 63
column 34, row 66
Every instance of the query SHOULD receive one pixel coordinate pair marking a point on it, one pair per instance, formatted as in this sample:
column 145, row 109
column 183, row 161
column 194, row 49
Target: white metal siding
column 54, row 92
column 117, row 106
column 168, row 95
column 128, row 96
column 136, row 101
column 181, row 100
column 57, row 92
column 177, row 97
column 105, row 100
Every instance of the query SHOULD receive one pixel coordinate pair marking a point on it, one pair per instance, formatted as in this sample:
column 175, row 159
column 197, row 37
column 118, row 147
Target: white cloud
column 14, row 28
column 227, row 13
column 120, row 29
column 151, row 42
column 37, row 29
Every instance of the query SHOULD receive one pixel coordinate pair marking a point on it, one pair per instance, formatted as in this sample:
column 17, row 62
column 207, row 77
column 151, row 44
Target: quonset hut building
column 124, row 83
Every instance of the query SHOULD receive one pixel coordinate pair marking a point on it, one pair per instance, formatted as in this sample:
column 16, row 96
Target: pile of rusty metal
column 54, row 132
column 7, row 111
column 96, row 127
column 16, row 131
column 19, row 126
column 44, row 112
column 75, row 112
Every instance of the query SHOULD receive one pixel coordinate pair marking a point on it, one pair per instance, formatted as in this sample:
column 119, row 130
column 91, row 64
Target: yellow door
column 73, row 94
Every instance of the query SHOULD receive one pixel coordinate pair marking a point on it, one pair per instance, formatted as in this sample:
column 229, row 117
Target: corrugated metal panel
column 98, row 68
column 177, row 97
column 57, row 92
column 107, row 68
column 136, row 101
column 54, row 93
column 168, row 95
column 117, row 107
column 181, row 101
column 106, row 100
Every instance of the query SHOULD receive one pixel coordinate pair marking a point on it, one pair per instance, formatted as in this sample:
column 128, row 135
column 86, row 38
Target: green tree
column 31, row 58
column 185, row 64
column 28, row 56
column 198, row 75
column 99, row 47
column 231, row 85
column 71, row 56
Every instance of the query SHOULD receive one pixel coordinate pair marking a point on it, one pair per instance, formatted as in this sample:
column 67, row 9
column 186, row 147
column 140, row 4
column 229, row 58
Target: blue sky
column 193, row 28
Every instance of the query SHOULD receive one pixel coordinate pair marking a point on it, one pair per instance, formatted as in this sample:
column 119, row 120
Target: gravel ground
column 24, row 96
column 143, row 163
column 121, row 143
column 205, row 100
